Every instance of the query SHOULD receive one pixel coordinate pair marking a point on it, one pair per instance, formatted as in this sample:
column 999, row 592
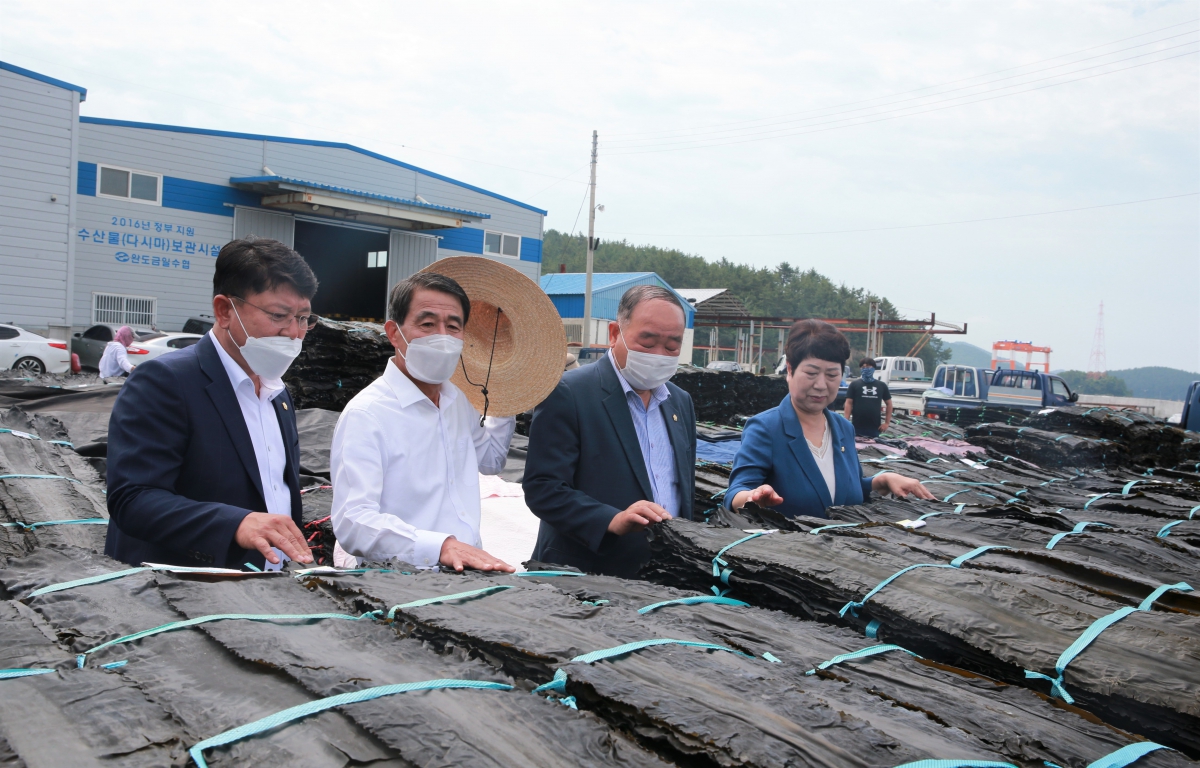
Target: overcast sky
column 737, row 130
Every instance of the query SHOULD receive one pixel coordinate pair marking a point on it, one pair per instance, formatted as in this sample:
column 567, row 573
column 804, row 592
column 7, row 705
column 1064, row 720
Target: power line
column 912, row 226
column 922, row 88
column 686, row 138
column 908, row 114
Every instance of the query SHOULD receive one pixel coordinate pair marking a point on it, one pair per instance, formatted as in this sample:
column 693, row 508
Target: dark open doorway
column 348, row 264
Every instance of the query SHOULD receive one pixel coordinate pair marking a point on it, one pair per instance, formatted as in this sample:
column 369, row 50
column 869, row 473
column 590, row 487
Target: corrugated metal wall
column 35, row 163
column 409, row 253
column 254, row 221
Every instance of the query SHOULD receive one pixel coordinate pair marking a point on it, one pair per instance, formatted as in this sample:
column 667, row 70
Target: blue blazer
column 774, row 452
column 181, row 467
column 584, row 465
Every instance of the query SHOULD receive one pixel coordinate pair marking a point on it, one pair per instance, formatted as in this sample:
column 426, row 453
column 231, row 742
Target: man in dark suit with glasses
column 203, row 450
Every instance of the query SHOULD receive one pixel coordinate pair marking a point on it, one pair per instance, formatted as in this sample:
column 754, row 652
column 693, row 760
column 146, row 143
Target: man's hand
column 886, row 426
column 457, row 555
column 762, row 496
column 263, row 531
column 639, row 515
column 898, row 485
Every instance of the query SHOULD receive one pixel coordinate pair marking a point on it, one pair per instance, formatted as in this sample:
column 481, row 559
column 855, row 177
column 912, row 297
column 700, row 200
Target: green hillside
column 1157, row 382
column 1079, row 382
column 966, row 353
column 782, row 291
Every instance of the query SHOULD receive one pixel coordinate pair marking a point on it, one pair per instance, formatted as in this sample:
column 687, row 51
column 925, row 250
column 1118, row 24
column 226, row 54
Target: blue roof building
column 566, row 291
column 119, row 222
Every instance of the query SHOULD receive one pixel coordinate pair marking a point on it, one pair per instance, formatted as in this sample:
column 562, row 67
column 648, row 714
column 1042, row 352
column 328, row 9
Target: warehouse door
column 351, row 264
column 276, row 226
column 408, row 253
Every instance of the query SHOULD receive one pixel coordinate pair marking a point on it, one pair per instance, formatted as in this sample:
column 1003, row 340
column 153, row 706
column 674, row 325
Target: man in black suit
column 612, row 450
column 203, row 451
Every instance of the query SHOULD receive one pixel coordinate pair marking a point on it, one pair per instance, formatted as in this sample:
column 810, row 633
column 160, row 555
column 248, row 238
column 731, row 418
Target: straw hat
column 529, row 338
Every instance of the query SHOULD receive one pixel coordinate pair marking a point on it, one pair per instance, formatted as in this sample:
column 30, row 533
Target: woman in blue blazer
column 800, row 457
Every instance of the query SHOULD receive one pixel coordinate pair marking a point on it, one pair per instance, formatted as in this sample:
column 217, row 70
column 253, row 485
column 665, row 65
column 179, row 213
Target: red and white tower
column 1098, row 364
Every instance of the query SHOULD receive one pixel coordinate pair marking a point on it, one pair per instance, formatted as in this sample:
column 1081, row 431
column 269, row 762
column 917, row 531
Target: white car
column 21, row 350
column 159, row 344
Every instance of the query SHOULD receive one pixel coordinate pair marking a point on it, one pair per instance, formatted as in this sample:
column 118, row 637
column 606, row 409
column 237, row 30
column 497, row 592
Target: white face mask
column 645, row 371
column 268, row 356
column 432, row 359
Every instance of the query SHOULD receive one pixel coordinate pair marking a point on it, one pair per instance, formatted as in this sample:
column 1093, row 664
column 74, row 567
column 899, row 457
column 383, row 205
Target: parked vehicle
column 1190, row 418
column 90, row 344
column 21, row 350
column 202, row 324
column 972, row 389
column 162, row 343
column 895, row 369
column 724, row 365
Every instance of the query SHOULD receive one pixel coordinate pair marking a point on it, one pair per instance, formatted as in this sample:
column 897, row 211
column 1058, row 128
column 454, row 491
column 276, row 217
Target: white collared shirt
column 650, row 424
column 265, row 435
column 405, row 472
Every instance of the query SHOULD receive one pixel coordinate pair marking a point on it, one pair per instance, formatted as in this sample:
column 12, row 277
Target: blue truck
column 963, row 394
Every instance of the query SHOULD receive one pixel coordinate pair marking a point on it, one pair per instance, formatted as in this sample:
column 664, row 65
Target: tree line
column 781, row 291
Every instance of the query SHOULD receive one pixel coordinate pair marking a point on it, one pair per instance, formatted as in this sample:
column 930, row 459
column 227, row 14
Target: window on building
column 116, row 310
column 138, row 186
column 500, row 244
column 376, row 259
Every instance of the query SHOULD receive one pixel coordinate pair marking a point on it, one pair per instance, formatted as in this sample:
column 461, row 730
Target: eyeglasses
column 284, row 319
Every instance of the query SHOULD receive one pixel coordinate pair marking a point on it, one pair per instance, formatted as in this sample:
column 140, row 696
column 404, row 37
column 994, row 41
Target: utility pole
column 1098, row 364
column 591, row 245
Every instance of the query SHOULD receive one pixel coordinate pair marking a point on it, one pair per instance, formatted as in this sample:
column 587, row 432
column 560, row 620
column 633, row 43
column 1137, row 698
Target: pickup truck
column 963, row 394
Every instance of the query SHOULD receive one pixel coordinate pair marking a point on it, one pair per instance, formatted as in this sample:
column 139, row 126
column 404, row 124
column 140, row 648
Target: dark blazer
column 585, row 465
column 181, row 467
column 774, row 452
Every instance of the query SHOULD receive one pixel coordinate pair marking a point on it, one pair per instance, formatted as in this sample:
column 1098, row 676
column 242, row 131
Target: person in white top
column 115, row 361
column 408, row 450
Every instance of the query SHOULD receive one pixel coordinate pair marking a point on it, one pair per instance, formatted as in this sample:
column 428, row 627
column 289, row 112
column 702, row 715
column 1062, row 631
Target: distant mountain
column 1157, row 382
column 965, row 353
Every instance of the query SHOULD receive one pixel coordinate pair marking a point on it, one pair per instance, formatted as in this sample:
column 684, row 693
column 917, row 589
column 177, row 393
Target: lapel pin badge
column 285, row 408
column 675, row 416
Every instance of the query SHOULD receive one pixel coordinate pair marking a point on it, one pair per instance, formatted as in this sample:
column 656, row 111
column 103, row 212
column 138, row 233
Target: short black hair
column 256, row 264
column 400, row 298
column 866, row 361
column 816, row 338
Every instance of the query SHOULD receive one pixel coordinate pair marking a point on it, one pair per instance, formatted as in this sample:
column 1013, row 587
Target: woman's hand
column 899, row 485
column 762, row 496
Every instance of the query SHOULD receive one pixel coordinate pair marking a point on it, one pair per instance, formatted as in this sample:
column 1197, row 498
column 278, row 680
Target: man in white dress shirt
column 408, row 449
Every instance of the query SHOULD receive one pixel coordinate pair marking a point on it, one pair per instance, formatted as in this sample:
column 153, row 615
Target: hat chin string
column 492, row 356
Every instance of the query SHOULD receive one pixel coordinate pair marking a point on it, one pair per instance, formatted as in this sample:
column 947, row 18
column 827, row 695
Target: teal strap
column 1079, row 528
column 1165, row 531
column 39, row 477
column 723, row 573
column 693, row 601
column 35, row 526
column 559, row 683
column 1095, row 498
column 859, row 654
column 6, row 674
column 1193, row 511
column 951, row 496
column 957, row 511
column 391, row 614
column 320, row 705
column 304, row 618
column 84, row 582
column 872, row 630
column 1094, row 631
column 1130, row 484
column 853, row 606
column 549, row 573
column 827, row 527
column 253, row 567
column 1127, row 755
column 19, row 433
column 956, row 764
column 1055, row 480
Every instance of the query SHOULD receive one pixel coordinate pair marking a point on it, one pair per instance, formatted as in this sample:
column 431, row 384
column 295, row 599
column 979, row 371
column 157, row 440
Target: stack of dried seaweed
column 1149, row 441
column 724, row 397
column 1050, row 449
column 339, row 359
